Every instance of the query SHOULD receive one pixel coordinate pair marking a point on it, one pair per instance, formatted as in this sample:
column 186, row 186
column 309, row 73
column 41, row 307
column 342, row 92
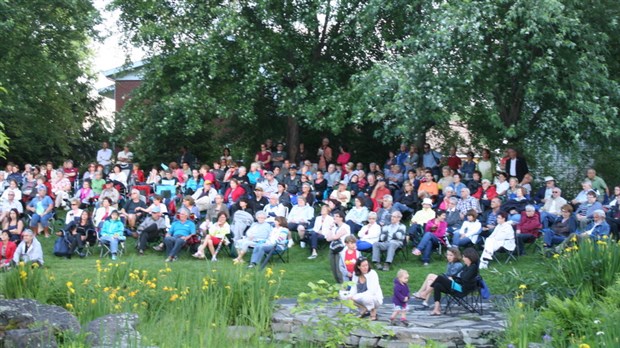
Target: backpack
column 61, row 247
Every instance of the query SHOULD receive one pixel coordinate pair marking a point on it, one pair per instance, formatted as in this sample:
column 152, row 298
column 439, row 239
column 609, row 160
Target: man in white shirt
column 10, row 203
column 104, row 157
column 552, row 208
column 125, row 158
column 274, row 209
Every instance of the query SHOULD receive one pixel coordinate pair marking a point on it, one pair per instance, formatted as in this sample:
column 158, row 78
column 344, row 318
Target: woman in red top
column 263, row 157
column 435, row 232
column 137, row 174
column 343, row 158
column 7, row 249
column 485, row 194
column 233, row 193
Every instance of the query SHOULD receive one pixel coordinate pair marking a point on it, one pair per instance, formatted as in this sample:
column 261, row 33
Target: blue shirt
column 40, row 204
column 430, row 158
column 184, row 229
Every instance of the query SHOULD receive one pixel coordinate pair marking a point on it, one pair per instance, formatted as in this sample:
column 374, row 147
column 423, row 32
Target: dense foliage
column 43, row 69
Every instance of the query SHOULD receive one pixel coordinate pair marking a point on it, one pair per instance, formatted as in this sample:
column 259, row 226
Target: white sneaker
column 302, row 244
column 483, row 265
column 291, row 243
column 213, row 259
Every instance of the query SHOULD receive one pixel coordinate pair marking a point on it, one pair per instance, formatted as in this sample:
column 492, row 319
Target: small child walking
column 400, row 298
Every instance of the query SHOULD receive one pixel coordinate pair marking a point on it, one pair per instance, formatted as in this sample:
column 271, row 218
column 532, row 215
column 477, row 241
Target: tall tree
column 43, row 68
column 267, row 62
column 522, row 71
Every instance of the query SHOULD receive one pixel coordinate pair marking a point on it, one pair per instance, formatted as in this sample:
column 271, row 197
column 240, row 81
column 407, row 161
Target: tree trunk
column 292, row 137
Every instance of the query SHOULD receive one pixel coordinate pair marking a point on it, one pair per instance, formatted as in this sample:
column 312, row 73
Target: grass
column 299, row 271
column 175, row 294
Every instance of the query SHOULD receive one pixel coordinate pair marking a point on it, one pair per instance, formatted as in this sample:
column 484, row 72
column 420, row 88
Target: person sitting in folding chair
column 217, row 233
column 256, row 235
column 277, row 240
column 29, row 250
column 112, row 232
column 503, row 236
column 80, row 232
column 464, row 282
column 179, row 233
column 150, row 229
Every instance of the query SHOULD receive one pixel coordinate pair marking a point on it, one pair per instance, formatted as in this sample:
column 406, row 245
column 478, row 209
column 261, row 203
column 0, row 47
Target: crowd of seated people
column 443, row 200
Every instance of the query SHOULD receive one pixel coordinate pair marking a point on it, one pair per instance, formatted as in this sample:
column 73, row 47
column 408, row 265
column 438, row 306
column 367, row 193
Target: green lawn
column 299, row 271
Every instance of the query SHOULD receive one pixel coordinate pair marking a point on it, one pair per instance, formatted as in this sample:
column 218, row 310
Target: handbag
column 336, row 246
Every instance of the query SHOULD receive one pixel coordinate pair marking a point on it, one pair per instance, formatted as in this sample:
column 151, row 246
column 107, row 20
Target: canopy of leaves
column 522, row 71
column 252, row 63
column 43, row 69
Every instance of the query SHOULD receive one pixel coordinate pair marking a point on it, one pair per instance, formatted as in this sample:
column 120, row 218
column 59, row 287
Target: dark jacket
column 521, row 167
column 467, row 277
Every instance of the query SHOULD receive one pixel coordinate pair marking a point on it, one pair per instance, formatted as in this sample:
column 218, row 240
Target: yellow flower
column 110, row 264
column 133, row 293
column 174, row 297
column 135, row 305
column 22, row 264
column 72, row 290
column 152, row 285
column 276, row 297
column 51, row 278
column 117, row 307
column 600, row 242
column 268, row 272
column 282, row 271
column 271, row 281
column 69, row 306
column 69, row 284
column 86, row 281
column 106, row 289
column 168, row 269
column 584, row 345
column 35, row 265
column 93, row 301
column 520, row 304
column 227, row 287
column 121, row 299
column 605, row 236
column 556, row 256
column 522, row 286
column 23, row 275
column 112, row 296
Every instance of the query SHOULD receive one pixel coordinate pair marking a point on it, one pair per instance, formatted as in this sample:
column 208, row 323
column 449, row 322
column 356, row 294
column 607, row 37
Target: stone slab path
column 455, row 330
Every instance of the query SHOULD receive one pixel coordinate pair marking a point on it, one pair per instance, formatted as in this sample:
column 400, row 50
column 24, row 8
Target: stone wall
column 457, row 330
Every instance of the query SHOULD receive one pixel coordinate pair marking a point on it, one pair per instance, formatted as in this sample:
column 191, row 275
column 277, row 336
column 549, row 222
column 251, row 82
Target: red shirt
column 262, row 157
column 72, row 171
column 350, row 257
column 139, row 175
column 454, row 162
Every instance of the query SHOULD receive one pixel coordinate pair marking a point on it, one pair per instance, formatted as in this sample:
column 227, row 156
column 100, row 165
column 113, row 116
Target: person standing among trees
column 104, row 157
column 325, row 154
column 431, row 160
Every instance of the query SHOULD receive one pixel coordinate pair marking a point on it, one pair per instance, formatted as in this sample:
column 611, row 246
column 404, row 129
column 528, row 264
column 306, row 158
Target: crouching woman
column 366, row 292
